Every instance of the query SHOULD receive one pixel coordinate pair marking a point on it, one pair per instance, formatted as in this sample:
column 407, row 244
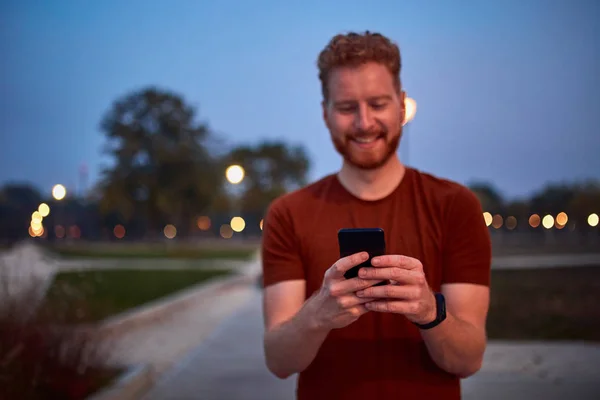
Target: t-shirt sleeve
column 280, row 251
column 467, row 250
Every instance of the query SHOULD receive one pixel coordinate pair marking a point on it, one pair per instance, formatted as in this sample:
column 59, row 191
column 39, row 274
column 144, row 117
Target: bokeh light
column 562, row 218
column 534, row 220
column 234, row 174
column 511, row 223
column 59, row 192
column 59, row 231
column 487, row 218
column 260, row 224
column 170, row 231
column 237, row 224
column 203, row 223
column 36, row 216
column 119, row 231
column 548, row 221
column 44, row 210
column 497, row 221
column 225, row 231
column 410, row 105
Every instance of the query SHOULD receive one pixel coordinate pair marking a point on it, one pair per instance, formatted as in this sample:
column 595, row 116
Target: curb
column 131, row 384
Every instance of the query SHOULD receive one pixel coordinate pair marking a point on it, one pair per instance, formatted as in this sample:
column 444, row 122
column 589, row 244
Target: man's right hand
column 336, row 305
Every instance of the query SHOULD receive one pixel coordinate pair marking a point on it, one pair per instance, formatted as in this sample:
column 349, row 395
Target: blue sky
column 507, row 91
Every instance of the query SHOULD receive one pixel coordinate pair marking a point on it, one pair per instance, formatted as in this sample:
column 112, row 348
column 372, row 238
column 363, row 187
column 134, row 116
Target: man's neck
column 372, row 184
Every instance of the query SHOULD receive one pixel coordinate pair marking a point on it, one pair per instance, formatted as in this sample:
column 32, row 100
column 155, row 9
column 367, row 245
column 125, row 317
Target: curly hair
column 353, row 49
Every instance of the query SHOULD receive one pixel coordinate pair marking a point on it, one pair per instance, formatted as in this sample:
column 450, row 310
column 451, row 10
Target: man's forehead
column 367, row 80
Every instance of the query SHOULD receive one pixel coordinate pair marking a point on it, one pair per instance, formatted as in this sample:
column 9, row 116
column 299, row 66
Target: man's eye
column 378, row 106
column 346, row 110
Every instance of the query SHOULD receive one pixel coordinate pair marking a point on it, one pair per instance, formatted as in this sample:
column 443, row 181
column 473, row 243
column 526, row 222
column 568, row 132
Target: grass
column 89, row 296
column 545, row 304
column 154, row 251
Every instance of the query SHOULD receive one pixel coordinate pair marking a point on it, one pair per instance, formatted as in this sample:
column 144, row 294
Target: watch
column 440, row 303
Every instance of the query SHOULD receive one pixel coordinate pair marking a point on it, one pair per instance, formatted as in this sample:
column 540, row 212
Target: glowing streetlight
column 44, row 210
column 237, row 224
column 410, row 105
column 59, row 192
column 234, row 174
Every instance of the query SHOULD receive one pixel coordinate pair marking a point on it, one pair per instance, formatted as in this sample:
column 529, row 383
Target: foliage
column 272, row 169
column 162, row 168
column 41, row 359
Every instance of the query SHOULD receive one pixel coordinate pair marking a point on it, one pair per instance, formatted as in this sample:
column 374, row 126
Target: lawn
column 94, row 295
column 158, row 251
column 545, row 304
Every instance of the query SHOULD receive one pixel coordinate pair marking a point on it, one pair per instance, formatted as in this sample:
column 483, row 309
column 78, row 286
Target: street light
column 410, row 110
column 235, row 174
column 410, row 107
column 59, row 192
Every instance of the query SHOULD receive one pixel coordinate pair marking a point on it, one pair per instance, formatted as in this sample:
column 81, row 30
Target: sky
column 507, row 91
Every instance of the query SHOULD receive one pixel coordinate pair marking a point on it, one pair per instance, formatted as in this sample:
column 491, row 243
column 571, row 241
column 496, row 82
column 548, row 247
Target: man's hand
column 407, row 294
column 336, row 304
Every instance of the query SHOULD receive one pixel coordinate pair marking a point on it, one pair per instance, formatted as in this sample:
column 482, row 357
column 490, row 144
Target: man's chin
column 367, row 164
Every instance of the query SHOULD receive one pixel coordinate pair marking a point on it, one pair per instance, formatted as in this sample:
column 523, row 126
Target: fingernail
column 365, row 256
column 360, row 293
column 362, row 273
column 375, row 261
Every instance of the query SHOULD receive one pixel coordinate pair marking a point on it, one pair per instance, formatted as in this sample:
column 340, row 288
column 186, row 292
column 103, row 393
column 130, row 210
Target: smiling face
column 363, row 111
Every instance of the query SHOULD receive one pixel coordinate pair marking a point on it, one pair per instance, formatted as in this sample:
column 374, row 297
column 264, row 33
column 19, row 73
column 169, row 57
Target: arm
column 294, row 331
column 291, row 339
column 457, row 344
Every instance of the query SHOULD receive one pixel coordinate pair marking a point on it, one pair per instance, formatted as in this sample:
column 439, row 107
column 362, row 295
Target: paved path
column 545, row 261
column 230, row 365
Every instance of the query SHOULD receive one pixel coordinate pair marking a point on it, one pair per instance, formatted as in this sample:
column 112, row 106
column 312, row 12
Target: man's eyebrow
column 373, row 98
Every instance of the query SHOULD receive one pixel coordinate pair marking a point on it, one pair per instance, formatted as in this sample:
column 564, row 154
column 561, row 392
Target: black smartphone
column 355, row 240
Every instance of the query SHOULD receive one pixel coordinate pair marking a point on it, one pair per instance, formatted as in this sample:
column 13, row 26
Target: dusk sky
column 507, row 91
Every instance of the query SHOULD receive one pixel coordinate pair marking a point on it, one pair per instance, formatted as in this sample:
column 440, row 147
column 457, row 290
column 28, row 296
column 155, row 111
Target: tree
column 272, row 169
column 163, row 169
column 490, row 199
column 17, row 203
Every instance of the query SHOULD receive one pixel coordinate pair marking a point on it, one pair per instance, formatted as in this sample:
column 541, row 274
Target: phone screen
column 355, row 240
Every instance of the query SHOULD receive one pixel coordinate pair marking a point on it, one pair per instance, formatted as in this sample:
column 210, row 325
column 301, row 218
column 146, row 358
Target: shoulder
column 449, row 195
column 300, row 200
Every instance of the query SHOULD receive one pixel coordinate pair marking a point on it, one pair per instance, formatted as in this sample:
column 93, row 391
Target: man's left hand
column 407, row 294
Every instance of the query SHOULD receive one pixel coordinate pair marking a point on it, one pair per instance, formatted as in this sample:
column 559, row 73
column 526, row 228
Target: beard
column 368, row 159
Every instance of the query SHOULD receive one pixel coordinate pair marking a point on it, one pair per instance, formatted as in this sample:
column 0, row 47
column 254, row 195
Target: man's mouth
column 367, row 141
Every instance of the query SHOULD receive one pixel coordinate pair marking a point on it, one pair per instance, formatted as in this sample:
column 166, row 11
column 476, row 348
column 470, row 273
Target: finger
column 350, row 286
column 359, row 310
column 342, row 265
column 390, row 306
column 352, row 301
column 395, row 260
column 405, row 292
column 403, row 276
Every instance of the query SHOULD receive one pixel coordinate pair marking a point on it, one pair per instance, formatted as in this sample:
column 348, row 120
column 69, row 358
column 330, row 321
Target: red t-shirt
column 380, row 356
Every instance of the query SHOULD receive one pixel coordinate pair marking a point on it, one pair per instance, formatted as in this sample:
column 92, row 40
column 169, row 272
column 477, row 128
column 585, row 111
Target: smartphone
column 355, row 240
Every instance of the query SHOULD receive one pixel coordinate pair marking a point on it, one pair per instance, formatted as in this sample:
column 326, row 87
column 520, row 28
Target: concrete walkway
column 230, row 365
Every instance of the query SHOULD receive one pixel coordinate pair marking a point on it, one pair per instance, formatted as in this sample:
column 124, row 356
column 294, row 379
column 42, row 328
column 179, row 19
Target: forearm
column 291, row 346
column 456, row 346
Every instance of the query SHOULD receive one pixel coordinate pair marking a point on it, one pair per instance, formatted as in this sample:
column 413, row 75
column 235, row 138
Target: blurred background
column 141, row 143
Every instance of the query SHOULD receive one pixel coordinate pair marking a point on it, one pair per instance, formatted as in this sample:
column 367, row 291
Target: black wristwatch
column 440, row 303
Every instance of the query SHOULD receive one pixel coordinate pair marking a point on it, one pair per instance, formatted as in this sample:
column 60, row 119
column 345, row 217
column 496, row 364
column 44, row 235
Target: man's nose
column 364, row 119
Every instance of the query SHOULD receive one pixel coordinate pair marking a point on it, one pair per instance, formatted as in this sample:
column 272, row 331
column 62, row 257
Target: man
column 412, row 339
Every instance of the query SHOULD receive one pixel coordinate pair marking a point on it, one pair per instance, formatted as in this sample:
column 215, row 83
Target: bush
column 40, row 357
